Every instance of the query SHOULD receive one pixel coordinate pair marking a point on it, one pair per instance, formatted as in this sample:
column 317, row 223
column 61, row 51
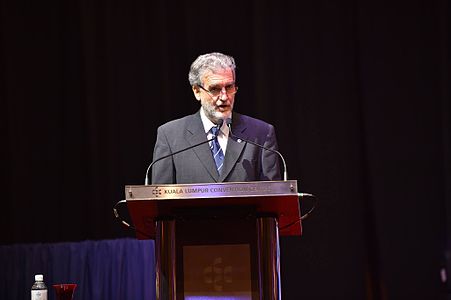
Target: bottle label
column 39, row 295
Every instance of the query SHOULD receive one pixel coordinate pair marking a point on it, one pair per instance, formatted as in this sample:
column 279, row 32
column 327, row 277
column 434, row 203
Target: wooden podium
column 216, row 241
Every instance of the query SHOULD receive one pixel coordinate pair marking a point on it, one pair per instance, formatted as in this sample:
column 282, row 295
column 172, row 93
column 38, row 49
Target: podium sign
column 146, row 203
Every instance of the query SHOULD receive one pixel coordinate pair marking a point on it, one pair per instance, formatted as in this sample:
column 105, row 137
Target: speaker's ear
column 196, row 91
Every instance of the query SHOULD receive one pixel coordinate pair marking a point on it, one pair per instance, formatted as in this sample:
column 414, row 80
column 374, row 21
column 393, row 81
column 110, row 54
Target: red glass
column 64, row 291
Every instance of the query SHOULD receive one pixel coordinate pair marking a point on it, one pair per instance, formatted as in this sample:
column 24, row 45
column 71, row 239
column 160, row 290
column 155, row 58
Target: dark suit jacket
column 243, row 161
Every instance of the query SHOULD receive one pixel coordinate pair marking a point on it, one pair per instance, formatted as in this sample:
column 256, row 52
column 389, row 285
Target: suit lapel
column 195, row 134
column 234, row 146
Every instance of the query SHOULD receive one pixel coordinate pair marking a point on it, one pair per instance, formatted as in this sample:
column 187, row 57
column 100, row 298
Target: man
column 229, row 158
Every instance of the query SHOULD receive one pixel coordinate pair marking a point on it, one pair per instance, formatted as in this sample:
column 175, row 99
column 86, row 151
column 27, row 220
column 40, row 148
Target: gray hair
column 209, row 62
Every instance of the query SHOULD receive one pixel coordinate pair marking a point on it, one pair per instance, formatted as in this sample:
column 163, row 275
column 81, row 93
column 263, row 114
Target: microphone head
column 228, row 122
column 219, row 123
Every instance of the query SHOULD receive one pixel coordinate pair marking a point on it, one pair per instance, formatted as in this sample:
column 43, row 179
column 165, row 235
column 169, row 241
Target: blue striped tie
column 216, row 150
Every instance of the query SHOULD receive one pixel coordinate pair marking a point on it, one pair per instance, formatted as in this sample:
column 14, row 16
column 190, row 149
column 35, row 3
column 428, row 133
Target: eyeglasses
column 216, row 91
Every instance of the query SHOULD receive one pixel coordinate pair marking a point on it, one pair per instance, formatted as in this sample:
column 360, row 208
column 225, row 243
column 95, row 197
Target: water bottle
column 39, row 290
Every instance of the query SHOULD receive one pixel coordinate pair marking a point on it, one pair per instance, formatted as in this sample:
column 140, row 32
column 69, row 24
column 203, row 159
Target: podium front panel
column 217, row 259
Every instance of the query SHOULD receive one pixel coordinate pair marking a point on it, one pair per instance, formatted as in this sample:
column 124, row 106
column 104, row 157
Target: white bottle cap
column 39, row 277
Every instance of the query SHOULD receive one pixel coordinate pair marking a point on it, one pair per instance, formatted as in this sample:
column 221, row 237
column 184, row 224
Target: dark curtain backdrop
column 358, row 92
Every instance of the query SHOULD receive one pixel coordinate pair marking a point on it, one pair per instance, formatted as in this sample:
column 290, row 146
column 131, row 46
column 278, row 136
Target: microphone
column 285, row 176
column 146, row 180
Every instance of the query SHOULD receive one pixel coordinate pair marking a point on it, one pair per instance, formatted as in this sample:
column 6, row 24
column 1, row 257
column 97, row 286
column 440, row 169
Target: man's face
column 219, row 107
